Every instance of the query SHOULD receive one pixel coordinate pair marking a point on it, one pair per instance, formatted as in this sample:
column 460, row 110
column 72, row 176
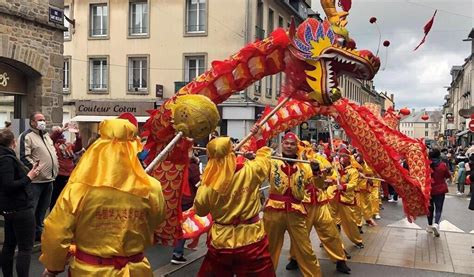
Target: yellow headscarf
column 112, row 160
column 221, row 165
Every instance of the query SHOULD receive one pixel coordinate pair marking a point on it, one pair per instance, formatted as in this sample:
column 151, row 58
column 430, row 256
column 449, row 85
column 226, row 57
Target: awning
column 462, row 133
column 99, row 118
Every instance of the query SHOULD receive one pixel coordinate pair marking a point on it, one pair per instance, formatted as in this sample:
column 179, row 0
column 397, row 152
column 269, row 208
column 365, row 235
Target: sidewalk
column 410, row 248
column 384, row 246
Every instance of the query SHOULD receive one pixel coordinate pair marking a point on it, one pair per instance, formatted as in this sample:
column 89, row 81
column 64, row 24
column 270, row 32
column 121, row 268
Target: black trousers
column 19, row 230
column 58, row 186
column 436, row 208
column 392, row 191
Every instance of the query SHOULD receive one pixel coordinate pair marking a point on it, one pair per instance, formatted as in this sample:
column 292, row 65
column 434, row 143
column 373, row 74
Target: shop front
column 88, row 114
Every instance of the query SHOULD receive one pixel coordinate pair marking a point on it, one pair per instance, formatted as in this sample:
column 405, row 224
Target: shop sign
column 12, row 81
column 113, row 108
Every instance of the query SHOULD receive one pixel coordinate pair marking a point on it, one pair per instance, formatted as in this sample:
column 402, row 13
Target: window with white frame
column 258, row 87
column 99, row 20
column 194, row 66
column 138, row 18
column 98, row 74
column 278, row 81
column 137, row 74
column 196, row 16
column 66, row 74
column 269, row 86
column 67, row 33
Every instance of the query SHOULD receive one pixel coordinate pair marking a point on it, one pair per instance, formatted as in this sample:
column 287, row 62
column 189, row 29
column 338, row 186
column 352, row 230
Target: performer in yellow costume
column 364, row 206
column 284, row 210
column 108, row 210
column 344, row 203
column 375, row 198
column 237, row 242
column 319, row 214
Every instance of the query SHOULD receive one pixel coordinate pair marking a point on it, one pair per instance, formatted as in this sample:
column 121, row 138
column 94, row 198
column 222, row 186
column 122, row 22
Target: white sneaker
column 459, row 193
column 429, row 229
column 377, row 217
column 436, row 230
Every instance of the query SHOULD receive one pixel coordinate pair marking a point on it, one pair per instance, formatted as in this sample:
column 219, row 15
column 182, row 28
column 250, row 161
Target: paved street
column 394, row 248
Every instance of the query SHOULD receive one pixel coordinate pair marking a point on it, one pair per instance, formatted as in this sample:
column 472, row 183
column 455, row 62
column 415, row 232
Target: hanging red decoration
column 372, row 20
column 345, row 5
column 386, row 43
column 405, row 111
column 425, row 117
column 426, row 29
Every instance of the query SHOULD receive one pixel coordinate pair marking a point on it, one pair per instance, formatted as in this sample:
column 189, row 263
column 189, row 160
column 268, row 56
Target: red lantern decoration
column 386, row 43
column 372, row 20
column 425, row 117
column 405, row 111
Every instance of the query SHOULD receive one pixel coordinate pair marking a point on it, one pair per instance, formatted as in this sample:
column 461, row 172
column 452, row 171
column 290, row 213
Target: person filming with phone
column 16, row 206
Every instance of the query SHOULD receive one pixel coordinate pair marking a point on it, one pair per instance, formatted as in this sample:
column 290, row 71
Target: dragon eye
column 341, row 41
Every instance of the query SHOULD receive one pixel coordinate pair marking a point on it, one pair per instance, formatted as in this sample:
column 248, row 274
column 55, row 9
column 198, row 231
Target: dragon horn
column 335, row 17
column 292, row 30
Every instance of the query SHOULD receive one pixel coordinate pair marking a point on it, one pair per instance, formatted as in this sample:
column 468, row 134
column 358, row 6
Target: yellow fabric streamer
column 108, row 162
column 221, row 165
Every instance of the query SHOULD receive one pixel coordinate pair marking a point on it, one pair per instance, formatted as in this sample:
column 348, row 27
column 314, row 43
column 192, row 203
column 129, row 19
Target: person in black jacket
column 16, row 206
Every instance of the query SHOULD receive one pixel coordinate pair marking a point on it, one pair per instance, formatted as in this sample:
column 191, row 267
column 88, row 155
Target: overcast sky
column 417, row 79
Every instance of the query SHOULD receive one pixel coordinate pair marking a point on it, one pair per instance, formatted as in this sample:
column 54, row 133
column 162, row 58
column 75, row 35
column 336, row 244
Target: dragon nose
column 374, row 60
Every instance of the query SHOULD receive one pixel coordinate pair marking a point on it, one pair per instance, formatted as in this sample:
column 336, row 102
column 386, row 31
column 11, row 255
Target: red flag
column 427, row 29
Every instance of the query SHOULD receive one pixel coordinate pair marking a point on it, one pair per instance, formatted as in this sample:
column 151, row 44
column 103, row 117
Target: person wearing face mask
column 35, row 146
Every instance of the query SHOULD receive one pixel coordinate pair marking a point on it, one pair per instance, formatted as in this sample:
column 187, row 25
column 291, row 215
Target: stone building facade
column 31, row 59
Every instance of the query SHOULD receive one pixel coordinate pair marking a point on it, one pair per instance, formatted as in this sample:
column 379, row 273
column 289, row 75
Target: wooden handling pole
column 273, row 157
column 161, row 156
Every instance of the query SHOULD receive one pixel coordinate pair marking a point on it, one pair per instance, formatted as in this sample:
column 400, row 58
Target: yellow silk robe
column 104, row 222
column 241, row 202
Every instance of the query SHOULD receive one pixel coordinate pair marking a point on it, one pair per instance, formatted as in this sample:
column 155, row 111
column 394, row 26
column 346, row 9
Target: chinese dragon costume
column 312, row 55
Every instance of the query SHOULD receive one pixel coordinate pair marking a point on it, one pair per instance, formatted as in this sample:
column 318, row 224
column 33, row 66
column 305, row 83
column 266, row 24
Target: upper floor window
column 66, row 74
column 194, row 66
column 99, row 20
column 137, row 74
column 138, row 18
column 278, row 81
column 67, row 33
column 98, row 74
column 196, row 16
column 269, row 86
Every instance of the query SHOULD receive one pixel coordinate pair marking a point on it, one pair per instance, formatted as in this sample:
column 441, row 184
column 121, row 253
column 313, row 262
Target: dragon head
column 328, row 52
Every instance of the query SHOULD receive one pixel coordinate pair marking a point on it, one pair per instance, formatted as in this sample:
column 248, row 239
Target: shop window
column 194, row 66
column 98, row 74
column 196, row 16
column 139, row 25
column 137, row 74
column 99, row 20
